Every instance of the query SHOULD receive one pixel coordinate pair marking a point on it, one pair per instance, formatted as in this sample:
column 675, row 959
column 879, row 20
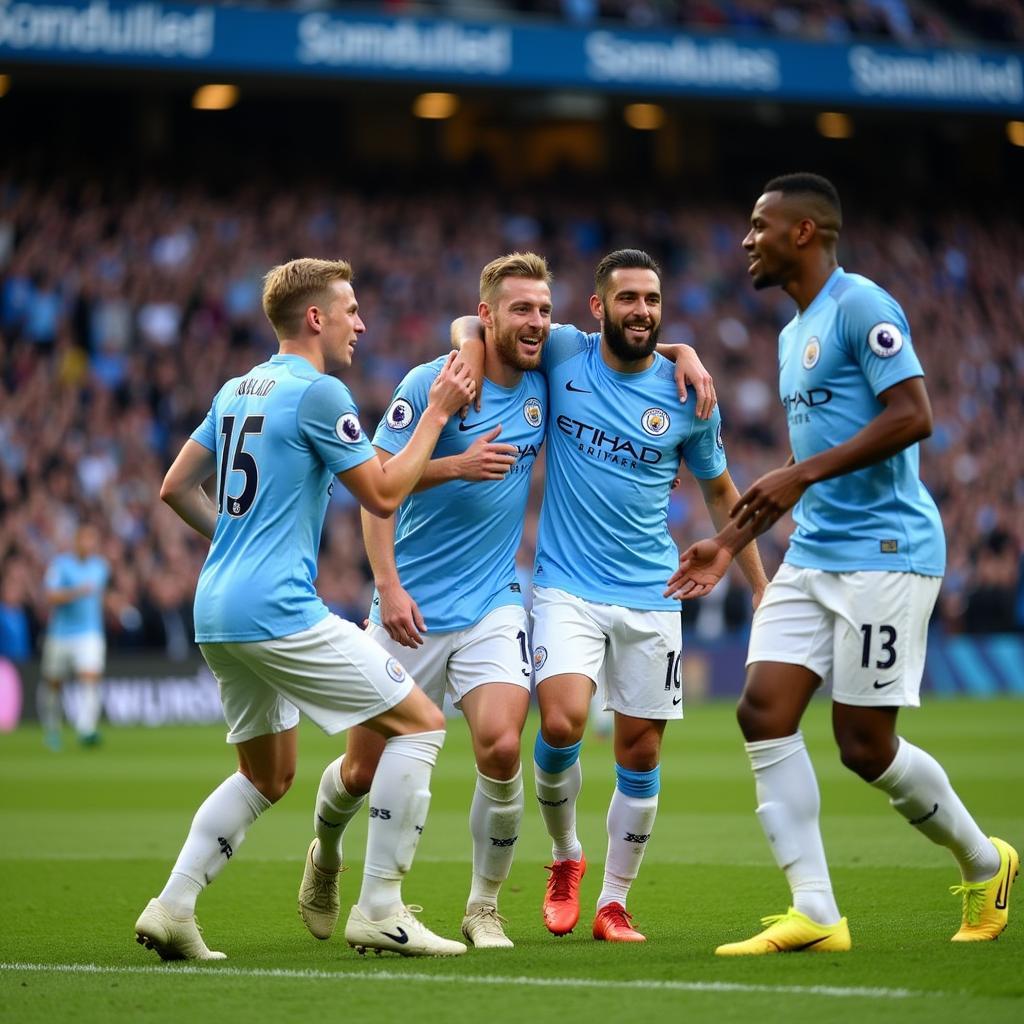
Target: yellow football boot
column 792, row 932
column 987, row 904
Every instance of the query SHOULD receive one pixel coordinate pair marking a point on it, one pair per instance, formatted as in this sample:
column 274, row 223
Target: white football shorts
column 494, row 650
column 334, row 673
column 68, row 657
column 865, row 632
column 636, row 653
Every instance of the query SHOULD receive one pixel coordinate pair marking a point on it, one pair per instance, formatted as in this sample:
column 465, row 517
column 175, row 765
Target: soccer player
column 447, row 598
column 276, row 438
column 617, row 434
column 74, row 647
column 852, row 600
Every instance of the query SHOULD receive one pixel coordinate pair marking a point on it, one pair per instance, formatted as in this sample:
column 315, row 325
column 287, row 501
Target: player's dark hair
column 622, row 259
column 805, row 183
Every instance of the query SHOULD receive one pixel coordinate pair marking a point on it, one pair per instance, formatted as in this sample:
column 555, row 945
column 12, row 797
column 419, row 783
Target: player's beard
column 621, row 345
column 506, row 343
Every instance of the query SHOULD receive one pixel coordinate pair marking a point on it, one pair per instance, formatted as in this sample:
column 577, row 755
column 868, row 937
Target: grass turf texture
column 87, row 836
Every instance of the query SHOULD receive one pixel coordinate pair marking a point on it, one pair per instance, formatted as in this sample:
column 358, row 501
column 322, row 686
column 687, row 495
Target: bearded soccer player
column 278, row 438
column 618, row 432
column 447, row 598
column 851, row 602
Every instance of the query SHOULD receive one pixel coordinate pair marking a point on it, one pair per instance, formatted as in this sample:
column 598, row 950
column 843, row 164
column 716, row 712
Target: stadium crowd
column 121, row 314
column 912, row 22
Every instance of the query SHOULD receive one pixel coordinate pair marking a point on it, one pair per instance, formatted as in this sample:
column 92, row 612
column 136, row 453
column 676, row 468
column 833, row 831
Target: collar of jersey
column 826, row 290
column 619, row 375
column 292, row 358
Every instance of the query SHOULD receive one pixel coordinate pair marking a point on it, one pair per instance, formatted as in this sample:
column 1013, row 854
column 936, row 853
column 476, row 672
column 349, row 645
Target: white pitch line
column 189, row 970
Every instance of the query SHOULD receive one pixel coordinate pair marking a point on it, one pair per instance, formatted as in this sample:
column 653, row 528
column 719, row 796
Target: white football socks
column 90, row 704
column 335, row 808
column 49, row 703
column 630, row 821
column 399, row 800
column 788, row 808
column 920, row 790
column 218, row 828
column 494, row 819
column 557, row 793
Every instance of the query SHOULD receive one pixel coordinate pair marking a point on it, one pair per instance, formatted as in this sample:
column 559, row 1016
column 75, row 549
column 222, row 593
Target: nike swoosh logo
column 676, row 700
column 582, row 391
column 882, row 686
column 400, row 938
column 324, row 821
column 806, row 945
column 463, row 425
column 1003, row 893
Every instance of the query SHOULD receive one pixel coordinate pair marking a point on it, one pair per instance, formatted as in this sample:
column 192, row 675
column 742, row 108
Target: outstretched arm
column 720, row 497
column 905, row 419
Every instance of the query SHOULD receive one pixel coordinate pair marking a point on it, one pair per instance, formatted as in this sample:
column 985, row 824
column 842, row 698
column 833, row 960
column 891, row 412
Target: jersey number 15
column 242, row 462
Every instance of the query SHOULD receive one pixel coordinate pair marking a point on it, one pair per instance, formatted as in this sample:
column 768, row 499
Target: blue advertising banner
column 448, row 52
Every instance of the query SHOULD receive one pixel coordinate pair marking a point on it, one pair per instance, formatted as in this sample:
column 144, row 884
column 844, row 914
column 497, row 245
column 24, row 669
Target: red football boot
column 562, row 899
column 612, row 925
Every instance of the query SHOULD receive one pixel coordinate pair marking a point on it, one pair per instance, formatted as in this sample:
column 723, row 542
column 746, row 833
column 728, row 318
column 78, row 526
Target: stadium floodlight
column 5, row 84
column 644, row 117
column 1015, row 132
column 435, row 106
column 833, row 125
column 215, row 97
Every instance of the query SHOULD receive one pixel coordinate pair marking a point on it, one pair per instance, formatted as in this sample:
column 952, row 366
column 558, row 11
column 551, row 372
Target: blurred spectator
column 910, row 22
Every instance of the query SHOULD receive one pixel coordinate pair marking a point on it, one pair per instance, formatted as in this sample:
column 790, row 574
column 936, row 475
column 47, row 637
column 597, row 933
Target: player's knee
column 275, row 785
column 561, row 729
column 498, row 755
column 429, row 717
column 863, row 757
column 357, row 775
column 752, row 718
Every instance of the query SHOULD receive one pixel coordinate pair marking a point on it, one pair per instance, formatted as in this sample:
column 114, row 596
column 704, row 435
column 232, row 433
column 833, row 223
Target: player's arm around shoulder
column 691, row 371
column 381, row 488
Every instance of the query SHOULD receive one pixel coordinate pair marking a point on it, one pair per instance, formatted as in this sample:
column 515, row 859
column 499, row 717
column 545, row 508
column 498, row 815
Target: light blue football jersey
column 281, row 432
column 85, row 613
column 455, row 544
column 615, row 441
column 849, row 345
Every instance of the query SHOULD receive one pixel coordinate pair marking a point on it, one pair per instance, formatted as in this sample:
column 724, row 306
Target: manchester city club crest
column 347, row 428
column 534, row 412
column 395, row 670
column 540, row 655
column 400, row 414
column 812, row 353
column 885, row 340
column 655, row 422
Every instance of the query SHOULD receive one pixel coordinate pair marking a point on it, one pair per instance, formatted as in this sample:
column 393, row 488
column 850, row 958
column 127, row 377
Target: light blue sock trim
column 555, row 759
column 639, row 784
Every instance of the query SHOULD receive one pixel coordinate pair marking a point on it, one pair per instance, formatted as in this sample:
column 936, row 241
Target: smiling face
column 521, row 321
column 630, row 312
column 340, row 326
column 771, row 242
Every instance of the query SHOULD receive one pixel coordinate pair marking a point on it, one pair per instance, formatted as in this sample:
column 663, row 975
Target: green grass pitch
column 87, row 836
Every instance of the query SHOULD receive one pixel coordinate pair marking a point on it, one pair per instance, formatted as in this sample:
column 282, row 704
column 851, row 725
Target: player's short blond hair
column 291, row 288
column 527, row 265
